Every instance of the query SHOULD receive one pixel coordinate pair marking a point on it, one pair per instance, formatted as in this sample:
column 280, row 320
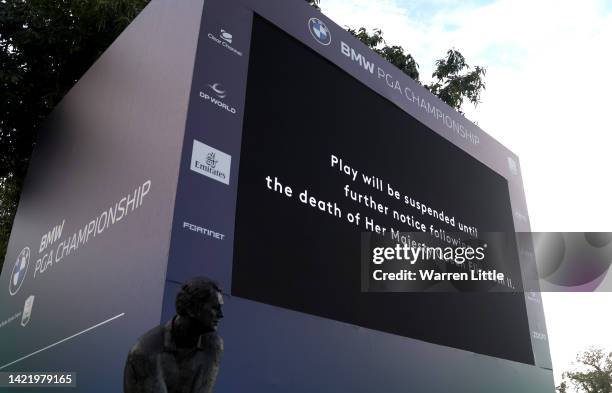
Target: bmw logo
column 19, row 271
column 319, row 31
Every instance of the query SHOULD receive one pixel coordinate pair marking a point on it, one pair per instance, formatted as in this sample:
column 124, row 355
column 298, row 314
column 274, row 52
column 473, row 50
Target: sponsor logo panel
column 319, row 31
column 215, row 94
column 20, row 270
column 224, row 39
column 210, row 162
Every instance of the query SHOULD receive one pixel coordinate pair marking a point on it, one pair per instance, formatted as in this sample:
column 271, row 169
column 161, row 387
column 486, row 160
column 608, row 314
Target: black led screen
column 300, row 111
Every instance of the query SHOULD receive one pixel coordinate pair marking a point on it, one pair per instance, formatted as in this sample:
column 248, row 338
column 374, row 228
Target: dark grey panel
column 110, row 148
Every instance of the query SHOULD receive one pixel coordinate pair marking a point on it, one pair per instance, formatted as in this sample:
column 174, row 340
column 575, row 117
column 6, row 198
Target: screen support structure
column 153, row 134
column 224, row 62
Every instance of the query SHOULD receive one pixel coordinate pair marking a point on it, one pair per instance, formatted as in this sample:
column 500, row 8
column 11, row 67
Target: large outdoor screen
column 262, row 146
column 312, row 137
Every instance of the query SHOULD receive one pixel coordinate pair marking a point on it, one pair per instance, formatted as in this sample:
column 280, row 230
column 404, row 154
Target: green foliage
column 11, row 188
column 393, row 54
column 594, row 375
column 454, row 80
column 45, row 47
column 562, row 388
column 314, row 3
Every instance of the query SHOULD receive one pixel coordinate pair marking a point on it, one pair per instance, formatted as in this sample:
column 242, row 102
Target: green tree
column 594, row 374
column 562, row 388
column 393, row 54
column 45, row 47
column 454, row 80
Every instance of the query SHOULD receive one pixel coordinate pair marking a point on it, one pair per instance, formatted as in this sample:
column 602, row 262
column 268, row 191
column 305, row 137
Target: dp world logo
column 19, row 270
column 319, row 31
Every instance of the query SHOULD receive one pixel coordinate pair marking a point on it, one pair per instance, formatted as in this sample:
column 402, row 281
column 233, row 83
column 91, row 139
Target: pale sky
column 547, row 99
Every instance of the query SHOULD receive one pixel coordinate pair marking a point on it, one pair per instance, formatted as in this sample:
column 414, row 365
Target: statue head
column 200, row 301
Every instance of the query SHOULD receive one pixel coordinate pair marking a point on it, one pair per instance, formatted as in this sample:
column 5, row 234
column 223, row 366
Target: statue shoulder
column 212, row 343
column 152, row 342
column 217, row 342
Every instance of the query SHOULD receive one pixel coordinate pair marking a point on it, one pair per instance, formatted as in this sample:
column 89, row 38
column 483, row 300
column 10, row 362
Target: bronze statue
column 183, row 355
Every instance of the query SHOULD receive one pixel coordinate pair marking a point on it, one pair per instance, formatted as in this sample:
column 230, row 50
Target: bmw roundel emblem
column 319, row 31
column 19, row 270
